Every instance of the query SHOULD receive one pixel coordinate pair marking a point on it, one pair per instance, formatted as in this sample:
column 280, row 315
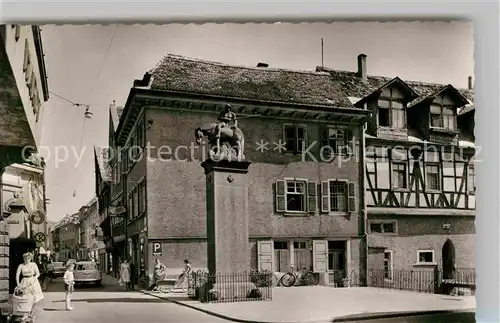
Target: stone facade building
column 23, row 85
column 89, row 245
column 66, row 236
column 305, row 203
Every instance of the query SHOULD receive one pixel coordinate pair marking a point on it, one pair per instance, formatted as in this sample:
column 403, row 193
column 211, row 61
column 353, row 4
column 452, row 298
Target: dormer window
column 442, row 115
column 391, row 112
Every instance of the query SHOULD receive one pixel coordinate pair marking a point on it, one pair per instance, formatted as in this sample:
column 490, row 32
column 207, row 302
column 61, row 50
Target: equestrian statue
column 224, row 136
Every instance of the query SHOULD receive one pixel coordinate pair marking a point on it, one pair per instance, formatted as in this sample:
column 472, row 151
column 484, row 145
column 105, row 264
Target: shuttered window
column 296, row 196
column 338, row 196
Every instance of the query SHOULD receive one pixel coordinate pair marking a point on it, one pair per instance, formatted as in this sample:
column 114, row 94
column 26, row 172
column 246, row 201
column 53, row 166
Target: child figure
column 69, row 285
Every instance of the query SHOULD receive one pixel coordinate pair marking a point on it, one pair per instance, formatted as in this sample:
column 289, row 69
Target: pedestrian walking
column 125, row 274
column 185, row 274
column 69, row 285
column 158, row 273
column 29, row 285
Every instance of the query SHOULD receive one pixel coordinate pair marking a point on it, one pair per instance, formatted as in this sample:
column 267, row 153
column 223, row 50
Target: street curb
column 378, row 316
column 222, row 316
column 348, row 318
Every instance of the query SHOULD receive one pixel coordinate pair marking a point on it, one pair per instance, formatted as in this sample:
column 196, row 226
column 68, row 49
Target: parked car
column 70, row 261
column 56, row 269
column 87, row 272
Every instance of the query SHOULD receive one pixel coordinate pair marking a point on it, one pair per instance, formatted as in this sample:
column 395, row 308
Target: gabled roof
column 115, row 114
column 409, row 92
column 102, row 156
column 68, row 219
column 189, row 75
column 446, row 88
column 350, row 84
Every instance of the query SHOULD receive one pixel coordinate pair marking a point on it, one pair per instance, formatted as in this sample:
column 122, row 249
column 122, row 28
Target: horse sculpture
column 230, row 136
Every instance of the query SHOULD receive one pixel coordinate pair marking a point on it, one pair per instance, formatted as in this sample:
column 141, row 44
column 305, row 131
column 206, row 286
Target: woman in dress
column 185, row 274
column 125, row 274
column 158, row 273
column 29, row 285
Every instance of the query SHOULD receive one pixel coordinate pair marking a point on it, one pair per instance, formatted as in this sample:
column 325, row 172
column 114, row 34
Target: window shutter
column 325, row 196
column 351, row 143
column 320, row 256
column 351, row 191
column 312, row 200
column 265, row 255
column 280, row 196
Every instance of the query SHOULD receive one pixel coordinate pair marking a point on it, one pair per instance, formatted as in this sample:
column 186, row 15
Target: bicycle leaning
column 265, row 278
column 301, row 277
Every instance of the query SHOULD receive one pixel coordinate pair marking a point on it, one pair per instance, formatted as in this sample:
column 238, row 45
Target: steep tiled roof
column 177, row 73
column 102, row 155
column 351, row 85
column 68, row 219
column 324, row 86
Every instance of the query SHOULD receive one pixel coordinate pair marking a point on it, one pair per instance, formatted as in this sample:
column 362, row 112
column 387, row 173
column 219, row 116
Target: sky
column 95, row 64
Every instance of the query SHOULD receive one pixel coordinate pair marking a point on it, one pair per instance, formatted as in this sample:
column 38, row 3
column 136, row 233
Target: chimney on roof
column 362, row 67
column 470, row 87
column 260, row 64
column 145, row 80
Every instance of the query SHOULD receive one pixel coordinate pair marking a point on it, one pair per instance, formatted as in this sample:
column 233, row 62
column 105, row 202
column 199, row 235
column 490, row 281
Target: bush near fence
column 230, row 287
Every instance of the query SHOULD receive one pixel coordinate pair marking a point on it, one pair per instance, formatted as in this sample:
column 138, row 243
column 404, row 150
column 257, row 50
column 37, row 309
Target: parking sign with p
column 157, row 249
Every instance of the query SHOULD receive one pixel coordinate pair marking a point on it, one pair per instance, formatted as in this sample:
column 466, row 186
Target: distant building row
column 77, row 236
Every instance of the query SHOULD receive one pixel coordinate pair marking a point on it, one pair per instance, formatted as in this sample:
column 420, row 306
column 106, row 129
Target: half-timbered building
column 419, row 173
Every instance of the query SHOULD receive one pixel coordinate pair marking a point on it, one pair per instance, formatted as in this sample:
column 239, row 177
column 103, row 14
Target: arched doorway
column 448, row 258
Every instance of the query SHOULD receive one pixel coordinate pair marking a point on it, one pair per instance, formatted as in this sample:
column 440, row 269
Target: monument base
column 228, row 251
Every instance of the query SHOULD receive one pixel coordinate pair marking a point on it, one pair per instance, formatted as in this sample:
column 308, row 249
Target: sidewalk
column 317, row 304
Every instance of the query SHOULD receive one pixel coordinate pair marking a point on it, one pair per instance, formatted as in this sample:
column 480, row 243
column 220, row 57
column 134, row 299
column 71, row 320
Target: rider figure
column 225, row 118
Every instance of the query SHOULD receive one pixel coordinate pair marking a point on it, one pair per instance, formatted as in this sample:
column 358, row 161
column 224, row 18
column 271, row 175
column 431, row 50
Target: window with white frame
column 388, row 267
column 471, row 179
column 391, row 113
column 296, row 195
column 338, row 196
column 337, row 142
column 442, row 116
column 399, row 175
column 295, row 138
column 425, row 257
column 432, row 176
column 383, row 227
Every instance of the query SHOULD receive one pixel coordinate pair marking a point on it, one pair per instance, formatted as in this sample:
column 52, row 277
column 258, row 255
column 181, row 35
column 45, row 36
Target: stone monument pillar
column 227, row 215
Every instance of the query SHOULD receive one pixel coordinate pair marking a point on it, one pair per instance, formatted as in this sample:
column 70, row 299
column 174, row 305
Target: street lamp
column 88, row 114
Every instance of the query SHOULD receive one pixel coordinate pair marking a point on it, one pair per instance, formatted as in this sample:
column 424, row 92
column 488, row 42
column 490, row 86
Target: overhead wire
column 94, row 86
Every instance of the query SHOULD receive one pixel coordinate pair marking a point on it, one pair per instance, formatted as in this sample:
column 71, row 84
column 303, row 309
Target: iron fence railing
column 230, row 287
column 461, row 281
